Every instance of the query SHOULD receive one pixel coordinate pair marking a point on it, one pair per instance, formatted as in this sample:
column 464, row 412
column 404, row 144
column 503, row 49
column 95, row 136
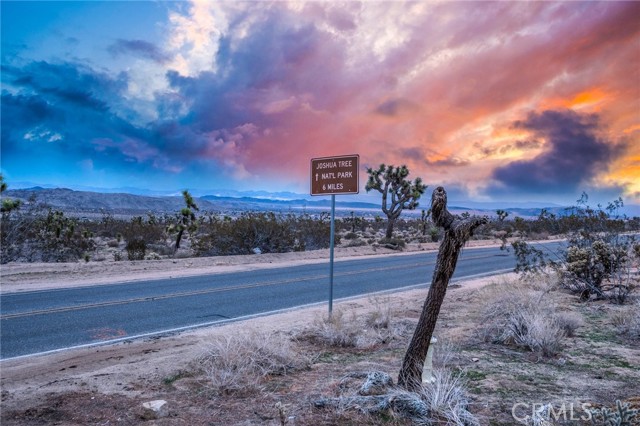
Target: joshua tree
column 424, row 221
column 404, row 193
column 7, row 203
column 457, row 232
column 502, row 215
column 187, row 218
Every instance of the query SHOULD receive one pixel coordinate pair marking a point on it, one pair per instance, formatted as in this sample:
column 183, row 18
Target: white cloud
column 194, row 38
column 42, row 135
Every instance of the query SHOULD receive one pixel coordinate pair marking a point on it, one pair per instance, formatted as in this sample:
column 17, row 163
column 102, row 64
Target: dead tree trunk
column 457, row 232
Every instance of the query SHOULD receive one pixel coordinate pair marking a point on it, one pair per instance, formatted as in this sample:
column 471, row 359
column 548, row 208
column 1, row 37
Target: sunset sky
column 517, row 101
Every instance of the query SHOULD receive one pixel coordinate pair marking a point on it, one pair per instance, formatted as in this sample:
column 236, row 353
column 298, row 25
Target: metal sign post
column 331, row 176
column 332, row 235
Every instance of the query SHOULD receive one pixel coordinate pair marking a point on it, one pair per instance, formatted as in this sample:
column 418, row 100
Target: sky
column 495, row 101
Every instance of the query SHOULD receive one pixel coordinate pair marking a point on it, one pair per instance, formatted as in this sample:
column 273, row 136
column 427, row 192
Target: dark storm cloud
column 521, row 145
column 395, row 107
column 447, row 162
column 420, row 155
column 70, row 107
column 138, row 48
column 574, row 154
column 65, row 84
column 19, row 114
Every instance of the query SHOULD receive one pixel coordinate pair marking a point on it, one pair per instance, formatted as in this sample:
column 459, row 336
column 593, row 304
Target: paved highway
column 42, row 321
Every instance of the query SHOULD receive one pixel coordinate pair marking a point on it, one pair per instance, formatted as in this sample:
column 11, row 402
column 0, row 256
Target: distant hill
column 297, row 203
column 86, row 202
column 90, row 204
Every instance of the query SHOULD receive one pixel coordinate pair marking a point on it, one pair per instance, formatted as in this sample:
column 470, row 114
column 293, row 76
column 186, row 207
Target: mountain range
column 91, row 203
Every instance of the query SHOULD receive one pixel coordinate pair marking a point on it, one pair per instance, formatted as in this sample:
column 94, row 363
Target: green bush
column 598, row 258
column 136, row 249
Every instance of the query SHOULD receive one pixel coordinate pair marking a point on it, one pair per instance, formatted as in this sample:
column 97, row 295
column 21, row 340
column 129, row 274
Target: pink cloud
column 434, row 85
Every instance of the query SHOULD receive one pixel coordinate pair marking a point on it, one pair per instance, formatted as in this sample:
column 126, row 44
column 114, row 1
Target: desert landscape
column 316, row 362
column 174, row 175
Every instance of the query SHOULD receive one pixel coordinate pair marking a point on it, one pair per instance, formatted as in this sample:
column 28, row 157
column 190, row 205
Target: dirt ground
column 107, row 385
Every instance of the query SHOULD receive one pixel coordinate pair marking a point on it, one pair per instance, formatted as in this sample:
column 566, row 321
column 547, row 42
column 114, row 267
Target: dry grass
column 380, row 316
column 445, row 401
column 627, row 321
column 337, row 330
column 238, row 363
column 527, row 317
column 448, row 399
column 445, row 352
column 348, row 330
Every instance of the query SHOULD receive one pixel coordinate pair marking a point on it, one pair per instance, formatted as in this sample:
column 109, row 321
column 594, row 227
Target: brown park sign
column 335, row 175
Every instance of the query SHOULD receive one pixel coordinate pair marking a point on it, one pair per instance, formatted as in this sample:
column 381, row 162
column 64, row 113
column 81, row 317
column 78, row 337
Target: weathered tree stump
column 457, row 233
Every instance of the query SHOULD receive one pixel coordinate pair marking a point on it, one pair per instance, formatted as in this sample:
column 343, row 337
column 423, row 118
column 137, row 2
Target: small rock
column 257, row 250
column 155, row 409
column 475, row 359
column 376, row 383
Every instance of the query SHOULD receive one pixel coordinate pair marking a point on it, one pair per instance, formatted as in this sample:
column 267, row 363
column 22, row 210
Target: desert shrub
column 569, row 322
column 597, row 259
column 447, row 400
column 444, row 401
column 32, row 235
column 434, row 234
column 587, row 266
column 350, row 236
column 153, row 256
column 356, row 243
column 136, row 249
column 268, row 232
column 161, row 249
column 627, row 321
column 351, row 331
column 380, row 316
column 352, row 223
column 113, row 243
column 528, row 319
column 150, row 230
column 313, row 233
column 58, row 238
column 530, row 329
column 238, row 363
column 392, row 243
column 336, row 330
column 250, row 231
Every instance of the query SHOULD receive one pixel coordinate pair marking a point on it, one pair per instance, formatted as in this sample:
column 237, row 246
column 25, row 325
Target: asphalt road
column 49, row 320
